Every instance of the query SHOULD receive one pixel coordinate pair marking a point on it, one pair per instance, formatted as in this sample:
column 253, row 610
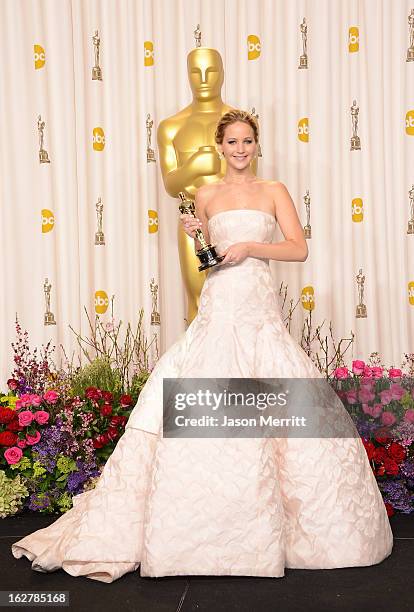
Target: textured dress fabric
column 222, row 506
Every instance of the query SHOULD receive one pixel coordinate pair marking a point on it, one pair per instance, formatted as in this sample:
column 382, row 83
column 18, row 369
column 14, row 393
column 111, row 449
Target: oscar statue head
column 205, row 73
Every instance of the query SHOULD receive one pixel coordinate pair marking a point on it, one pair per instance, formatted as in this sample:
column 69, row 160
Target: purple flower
column 39, row 501
column 407, row 468
column 396, row 493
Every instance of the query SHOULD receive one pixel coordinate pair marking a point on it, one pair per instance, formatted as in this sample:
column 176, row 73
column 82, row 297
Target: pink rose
column 340, row 373
column 51, row 396
column 397, row 391
column 24, row 400
column 365, row 395
column 41, row 416
column 35, row 400
column 358, row 366
column 25, row 418
column 373, row 411
column 394, row 373
column 351, row 396
column 13, row 455
column 388, row 418
column 33, row 439
column 386, row 396
column 377, row 372
column 21, row 443
column 409, row 415
column 367, row 372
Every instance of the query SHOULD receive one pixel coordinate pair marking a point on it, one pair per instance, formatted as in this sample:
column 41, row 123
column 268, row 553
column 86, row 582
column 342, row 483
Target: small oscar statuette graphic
column 150, row 152
column 43, row 156
column 307, row 230
column 155, row 315
column 361, row 309
column 303, row 60
column 96, row 70
column 49, row 319
column 207, row 254
column 355, row 139
column 410, row 50
column 410, row 229
column 256, row 116
column 197, row 36
column 99, row 235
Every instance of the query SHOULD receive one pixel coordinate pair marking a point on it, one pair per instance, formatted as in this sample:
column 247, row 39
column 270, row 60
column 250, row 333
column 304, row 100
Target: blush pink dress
column 229, row 506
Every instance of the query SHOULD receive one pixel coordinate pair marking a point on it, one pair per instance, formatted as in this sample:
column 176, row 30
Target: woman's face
column 238, row 146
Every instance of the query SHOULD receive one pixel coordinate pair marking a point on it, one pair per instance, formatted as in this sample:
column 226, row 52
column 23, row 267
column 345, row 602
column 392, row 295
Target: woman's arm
column 294, row 247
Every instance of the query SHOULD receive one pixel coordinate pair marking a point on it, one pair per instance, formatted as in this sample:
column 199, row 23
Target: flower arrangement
column 381, row 403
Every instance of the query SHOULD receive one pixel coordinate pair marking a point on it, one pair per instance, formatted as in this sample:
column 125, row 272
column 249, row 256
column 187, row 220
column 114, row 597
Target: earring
column 221, row 156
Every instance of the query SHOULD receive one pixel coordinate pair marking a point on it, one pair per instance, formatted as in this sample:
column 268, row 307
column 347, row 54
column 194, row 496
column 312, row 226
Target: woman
column 225, row 506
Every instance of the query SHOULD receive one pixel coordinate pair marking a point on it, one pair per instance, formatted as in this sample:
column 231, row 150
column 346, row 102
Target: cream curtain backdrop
column 72, row 105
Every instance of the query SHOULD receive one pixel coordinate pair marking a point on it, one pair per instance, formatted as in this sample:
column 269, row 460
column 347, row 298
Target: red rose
column 123, row 420
column 369, row 447
column 112, row 433
column 14, row 425
column 6, row 414
column 104, row 439
column 126, row 400
column 97, row 442
column 382, row 436
column 8, row 438
column 391, row 466
column 390, row 509
column 380, row 454
column 106, row 410
column 107, row 396
column 380, row 471
column 93, row 393
column 396, row 451
column 13, row 384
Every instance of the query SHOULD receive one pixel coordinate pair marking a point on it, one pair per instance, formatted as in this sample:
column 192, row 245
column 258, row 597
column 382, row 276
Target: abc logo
column 254, row 47
column 303, row 129
column 411, row 292
column 353, row 39
column 101, row 302
column 152, row 221
column 357, row 210
column 148, row 53
column 98, row 139
column 409, row 123
column 39, row 56
column 48, row 220
column 308, row 298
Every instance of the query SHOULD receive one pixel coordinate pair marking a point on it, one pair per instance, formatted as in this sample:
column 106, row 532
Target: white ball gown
column 222, row 506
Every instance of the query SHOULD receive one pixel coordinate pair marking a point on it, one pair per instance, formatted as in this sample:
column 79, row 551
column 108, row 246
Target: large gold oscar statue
column 188, row 154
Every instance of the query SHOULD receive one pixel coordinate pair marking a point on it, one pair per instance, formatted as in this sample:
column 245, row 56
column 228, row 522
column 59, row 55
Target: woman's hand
column 236, row 253
column 190, row 224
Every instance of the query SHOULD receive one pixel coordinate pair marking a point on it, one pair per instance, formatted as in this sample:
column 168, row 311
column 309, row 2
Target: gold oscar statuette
column 256, row 115
column 197, row 36
column 307, row 230
column 96, row 70
column 150, row 152
column 303, row 60
column 49, row 318
column 99, row 235
column 410, row 229
column 361, row 309
column 355, row 139
column 155, row 315
column 410, row 50
column 43, row 156
column 207, row 254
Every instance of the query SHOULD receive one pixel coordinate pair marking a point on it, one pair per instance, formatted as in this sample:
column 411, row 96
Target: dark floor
column 387, row 586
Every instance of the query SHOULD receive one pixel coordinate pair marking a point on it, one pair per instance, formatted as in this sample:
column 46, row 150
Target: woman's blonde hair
column 232, row 117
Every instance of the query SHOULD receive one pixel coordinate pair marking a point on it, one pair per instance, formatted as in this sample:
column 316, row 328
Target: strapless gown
column 222, row 506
